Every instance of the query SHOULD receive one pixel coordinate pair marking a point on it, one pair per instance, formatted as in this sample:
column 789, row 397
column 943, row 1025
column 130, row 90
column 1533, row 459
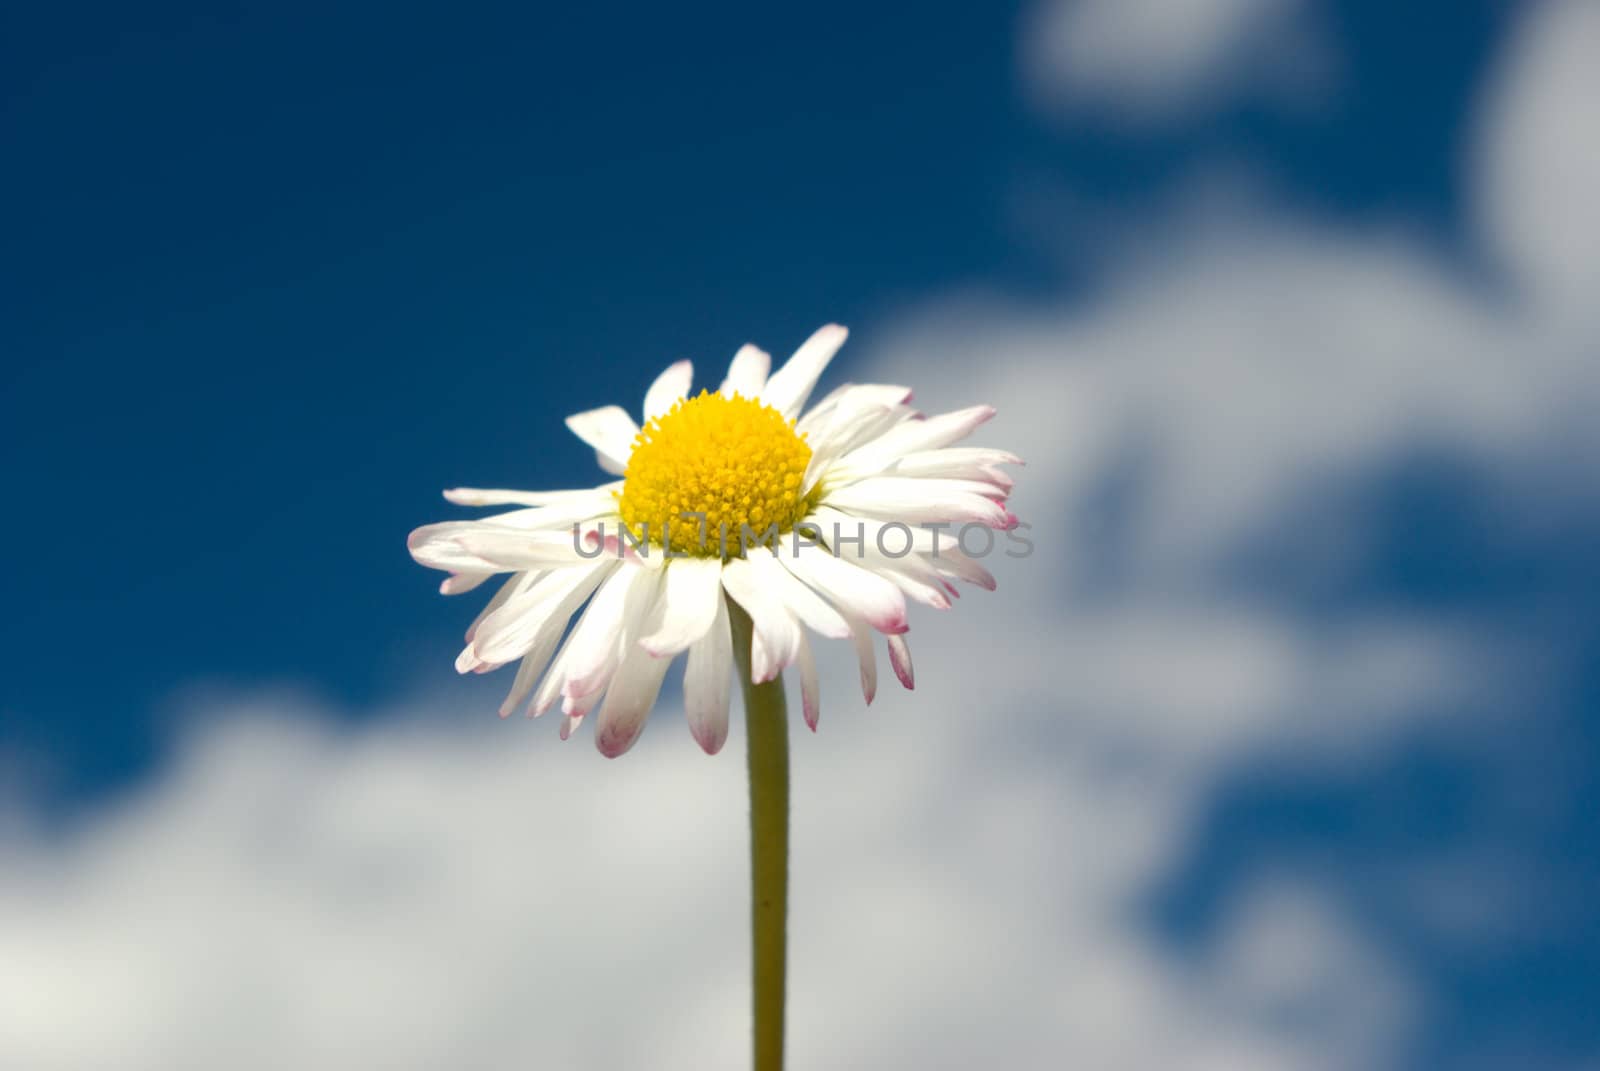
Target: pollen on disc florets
column 734, row 460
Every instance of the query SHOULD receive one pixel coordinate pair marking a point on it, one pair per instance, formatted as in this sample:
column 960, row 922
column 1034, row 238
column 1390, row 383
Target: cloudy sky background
column 1279, row 753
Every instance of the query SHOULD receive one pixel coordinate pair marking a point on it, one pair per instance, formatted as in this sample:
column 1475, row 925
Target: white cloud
column 423, row 895
column 432, row 891
column 1247, row 380
column 1145, row 60
column 1541, row 159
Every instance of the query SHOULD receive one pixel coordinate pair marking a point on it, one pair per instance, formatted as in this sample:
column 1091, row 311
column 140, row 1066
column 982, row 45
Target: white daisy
column 865, row 494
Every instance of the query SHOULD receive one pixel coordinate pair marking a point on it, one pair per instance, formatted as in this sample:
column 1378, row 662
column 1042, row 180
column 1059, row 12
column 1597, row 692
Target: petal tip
column 900, row 659
column 614, row 745
column 710, row 743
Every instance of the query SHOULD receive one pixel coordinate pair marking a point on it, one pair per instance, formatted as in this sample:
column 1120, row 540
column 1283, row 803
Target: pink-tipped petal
column 628, row 702
column 606, row 629
column 707, row 683
column 777, row 634
column 900, row 659
column 512, row 586
column 850, row 588
column 861, row 636
column 533, row 663
column 958, row 565
column 690, row 598
column 915, row 501
column 916, row 436
column 810, row 699
column 534, row 611
column 798, row 598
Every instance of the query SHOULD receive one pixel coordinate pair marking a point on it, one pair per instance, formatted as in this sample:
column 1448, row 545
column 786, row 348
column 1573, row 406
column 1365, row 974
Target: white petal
column 932, row 485
column 800, row 600
column 482, row 546
column 912, row 501
column 596, row 630
column 611, row 431
column 461, row 583
column 629, row 698
column 689, row 603
column 469, row 662
column 520, row 624
column 844, row 426
column 866, row 654
column 562, row 515
column 485, row 546
column 956, row 564
column 914, row 436
column 607, row 629
column 852, row 427
column 777, row 633
column 435, row 546
column 984, row 479
column 578, row 507
column 549, row 689
column 609, row 537
column 960, row 462
column 513, row 584
column 853, row 394
column 533, row 663
column 668, row 388
column 900, row 658
column 792, row 384
column 867, row 535
column 810, row 701
column 850, row 587
column 747, row 375
column 479, row 496
column 578, row 706
column 912, row 575
column 707, row 682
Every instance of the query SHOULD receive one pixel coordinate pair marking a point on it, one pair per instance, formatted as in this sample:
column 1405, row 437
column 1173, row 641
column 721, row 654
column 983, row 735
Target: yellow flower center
column 731, row 461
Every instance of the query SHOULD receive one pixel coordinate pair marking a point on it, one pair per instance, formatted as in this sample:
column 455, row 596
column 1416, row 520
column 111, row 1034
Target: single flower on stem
column 741, row 522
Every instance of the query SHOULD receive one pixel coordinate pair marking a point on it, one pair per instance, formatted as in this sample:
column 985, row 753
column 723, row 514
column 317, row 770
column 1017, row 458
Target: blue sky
column 1286, row 306
column 272, row 272
column 280, row 271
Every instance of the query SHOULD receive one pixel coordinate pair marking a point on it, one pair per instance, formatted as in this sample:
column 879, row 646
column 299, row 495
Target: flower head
column 826, row 522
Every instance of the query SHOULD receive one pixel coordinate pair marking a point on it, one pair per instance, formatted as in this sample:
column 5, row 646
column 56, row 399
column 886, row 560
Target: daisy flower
column 824, row 520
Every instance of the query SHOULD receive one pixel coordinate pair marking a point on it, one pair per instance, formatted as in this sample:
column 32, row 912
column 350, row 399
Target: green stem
column 766, row 727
